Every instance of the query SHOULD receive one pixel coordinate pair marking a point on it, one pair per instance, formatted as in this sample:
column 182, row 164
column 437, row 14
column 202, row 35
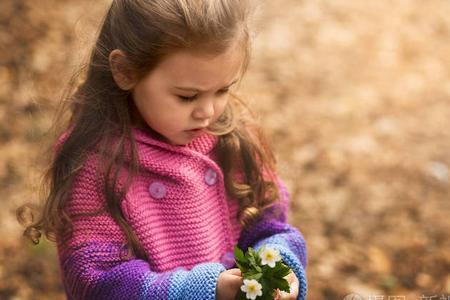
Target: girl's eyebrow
column 198, row 90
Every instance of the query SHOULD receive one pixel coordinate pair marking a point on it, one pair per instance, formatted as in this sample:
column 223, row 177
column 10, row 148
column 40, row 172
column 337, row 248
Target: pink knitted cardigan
column 178, row 208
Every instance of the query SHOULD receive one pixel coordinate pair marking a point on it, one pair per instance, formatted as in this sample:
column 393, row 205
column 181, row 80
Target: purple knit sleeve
column 96, row 271
column 272, row 230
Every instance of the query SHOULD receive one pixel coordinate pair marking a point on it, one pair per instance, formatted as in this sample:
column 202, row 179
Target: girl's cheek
column 220, row 108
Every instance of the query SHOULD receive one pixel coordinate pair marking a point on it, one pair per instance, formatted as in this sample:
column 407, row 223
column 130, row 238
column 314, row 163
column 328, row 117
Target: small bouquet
column 263, row 273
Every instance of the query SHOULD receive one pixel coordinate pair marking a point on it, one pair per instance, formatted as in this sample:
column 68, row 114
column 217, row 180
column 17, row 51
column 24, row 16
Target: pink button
column 210, row 176
column 157, row 190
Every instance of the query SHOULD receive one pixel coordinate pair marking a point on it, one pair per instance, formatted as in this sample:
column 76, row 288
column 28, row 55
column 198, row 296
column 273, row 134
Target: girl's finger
column 293, row 292
column 235, row 271
column 284, row 295
column 291, row 277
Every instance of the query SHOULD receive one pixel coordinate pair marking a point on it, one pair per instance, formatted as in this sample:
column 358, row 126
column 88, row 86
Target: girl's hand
column 228, row 284
column 294, row 286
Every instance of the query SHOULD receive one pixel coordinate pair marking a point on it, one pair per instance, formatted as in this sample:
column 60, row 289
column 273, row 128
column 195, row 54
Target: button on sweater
column 180, row 212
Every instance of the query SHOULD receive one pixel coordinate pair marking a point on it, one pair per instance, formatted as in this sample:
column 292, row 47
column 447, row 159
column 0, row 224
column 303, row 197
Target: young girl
column 161, row 169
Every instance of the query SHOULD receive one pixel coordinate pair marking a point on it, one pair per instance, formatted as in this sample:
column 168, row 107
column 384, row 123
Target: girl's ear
column 120, row 70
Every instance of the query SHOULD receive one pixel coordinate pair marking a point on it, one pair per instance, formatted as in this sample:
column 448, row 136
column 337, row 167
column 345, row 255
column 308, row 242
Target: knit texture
column 179, row 210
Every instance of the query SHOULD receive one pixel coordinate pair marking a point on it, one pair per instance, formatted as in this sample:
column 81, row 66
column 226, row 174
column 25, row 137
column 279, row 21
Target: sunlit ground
column 354, row 96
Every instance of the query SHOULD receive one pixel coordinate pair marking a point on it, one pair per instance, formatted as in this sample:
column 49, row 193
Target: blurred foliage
column 354, row 96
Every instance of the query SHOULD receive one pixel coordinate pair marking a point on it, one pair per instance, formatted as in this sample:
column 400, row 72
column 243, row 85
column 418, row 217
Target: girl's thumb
column 235, row 271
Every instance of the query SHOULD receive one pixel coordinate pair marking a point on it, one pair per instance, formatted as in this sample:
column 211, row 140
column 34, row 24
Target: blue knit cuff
column 198, row 283
column 293, row 262
column 295, row 242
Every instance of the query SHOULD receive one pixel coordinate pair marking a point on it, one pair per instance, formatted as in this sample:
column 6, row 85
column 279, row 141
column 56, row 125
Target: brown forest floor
column 354, row 96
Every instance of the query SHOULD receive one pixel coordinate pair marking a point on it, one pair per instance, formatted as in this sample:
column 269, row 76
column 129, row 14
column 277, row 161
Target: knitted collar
column 203, row 144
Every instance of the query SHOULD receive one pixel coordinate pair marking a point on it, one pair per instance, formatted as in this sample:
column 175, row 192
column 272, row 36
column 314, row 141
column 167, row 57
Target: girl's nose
column 204, row 110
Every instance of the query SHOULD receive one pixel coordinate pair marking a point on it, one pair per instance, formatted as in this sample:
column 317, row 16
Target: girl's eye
column 187, row 98
column 192, row 98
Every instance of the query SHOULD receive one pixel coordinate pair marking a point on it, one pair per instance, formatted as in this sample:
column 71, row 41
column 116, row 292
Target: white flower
column 270, row 256
column 252, row 288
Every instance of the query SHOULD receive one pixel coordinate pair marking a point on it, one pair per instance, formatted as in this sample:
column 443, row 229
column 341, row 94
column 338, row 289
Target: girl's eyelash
column 185, row 98
column 191, row 98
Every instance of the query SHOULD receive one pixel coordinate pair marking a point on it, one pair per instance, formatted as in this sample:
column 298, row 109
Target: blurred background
column 354, row 96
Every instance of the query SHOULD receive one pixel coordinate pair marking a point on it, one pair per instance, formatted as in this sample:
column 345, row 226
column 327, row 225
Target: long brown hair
column 147, row 31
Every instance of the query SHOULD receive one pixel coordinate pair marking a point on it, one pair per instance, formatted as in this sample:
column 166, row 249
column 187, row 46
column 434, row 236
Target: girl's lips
column 196, row 131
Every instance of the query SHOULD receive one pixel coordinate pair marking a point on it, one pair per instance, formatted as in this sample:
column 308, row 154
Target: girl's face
column 186, row 91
